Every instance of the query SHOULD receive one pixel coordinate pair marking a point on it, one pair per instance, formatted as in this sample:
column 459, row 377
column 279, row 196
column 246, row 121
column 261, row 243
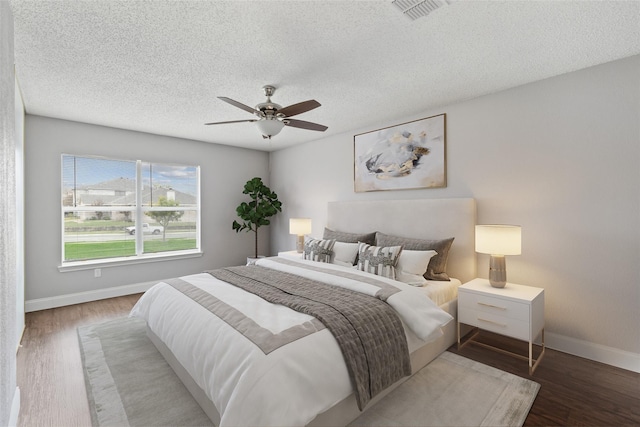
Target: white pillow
column 344, row 253
column 343, row 264
column 414, row 262
column 411, row 279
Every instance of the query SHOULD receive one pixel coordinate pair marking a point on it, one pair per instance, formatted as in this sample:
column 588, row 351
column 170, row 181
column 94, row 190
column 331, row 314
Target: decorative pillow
column 414, row 262
column 341, row 236
column 378, row 260
column 437, row 265
column 318, row 250
column 344, row 253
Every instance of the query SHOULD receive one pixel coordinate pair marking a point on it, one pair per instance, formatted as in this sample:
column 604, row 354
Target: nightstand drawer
column 495, row 323
column 494, row 306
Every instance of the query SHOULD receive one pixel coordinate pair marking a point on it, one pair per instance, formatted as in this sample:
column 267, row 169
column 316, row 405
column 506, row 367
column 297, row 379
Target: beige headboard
column 419, row 219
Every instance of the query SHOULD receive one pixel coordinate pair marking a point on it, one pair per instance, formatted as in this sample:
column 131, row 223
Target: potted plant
column 263, row 205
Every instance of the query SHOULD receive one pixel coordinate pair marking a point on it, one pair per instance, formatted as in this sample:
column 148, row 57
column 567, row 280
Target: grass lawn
column 78, row 251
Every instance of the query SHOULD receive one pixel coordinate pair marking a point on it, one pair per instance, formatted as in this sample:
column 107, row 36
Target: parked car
column 146, row 229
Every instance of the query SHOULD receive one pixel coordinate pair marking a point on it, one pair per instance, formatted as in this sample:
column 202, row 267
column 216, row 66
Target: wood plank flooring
column 52, row 390
column 574, row 391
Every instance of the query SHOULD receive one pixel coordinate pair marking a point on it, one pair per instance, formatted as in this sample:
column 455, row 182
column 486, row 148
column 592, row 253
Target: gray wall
column 224, row 170
column 8, row 327
column 559, row 157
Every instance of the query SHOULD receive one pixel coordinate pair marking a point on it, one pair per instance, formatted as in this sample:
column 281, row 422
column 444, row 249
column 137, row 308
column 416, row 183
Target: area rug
column 128, row 381
column 455, row 391
column 130, row 384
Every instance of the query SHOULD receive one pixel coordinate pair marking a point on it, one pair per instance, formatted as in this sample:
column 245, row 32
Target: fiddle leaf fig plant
column 255, row 214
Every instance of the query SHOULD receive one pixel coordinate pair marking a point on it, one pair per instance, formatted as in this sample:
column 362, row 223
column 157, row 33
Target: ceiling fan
column 273, row 117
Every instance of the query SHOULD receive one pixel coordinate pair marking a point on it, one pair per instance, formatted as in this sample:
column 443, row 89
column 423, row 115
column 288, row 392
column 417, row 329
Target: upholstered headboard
column 419, row 219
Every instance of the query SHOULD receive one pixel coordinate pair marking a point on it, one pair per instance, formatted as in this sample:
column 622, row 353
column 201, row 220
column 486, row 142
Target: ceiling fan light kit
column 273, row 117
column 269, row 127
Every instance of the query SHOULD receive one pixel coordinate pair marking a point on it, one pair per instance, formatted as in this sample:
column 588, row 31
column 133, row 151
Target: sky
column 92, row 170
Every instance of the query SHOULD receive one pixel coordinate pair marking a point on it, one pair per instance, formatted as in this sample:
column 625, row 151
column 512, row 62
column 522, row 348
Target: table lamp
column 299, row 227
column 498, row 241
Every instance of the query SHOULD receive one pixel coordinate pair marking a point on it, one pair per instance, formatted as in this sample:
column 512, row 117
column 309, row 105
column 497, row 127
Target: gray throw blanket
column 368, row 330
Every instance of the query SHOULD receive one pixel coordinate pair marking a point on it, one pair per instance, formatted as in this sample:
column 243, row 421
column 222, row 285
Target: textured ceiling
column 158, row 66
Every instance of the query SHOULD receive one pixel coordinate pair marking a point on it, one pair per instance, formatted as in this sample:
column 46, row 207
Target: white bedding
column 291, row 384
column 441, row 292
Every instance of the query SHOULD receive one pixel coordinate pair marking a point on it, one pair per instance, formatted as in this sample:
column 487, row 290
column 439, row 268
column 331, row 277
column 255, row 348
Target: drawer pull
column 502, row 325
column 492, row 306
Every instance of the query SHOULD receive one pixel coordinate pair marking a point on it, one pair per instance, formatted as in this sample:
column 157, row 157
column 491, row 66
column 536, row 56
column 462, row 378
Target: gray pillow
column 437, row 265
column 341, row 236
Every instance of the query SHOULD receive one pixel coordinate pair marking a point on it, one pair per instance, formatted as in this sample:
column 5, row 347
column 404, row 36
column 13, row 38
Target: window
column 123, row 210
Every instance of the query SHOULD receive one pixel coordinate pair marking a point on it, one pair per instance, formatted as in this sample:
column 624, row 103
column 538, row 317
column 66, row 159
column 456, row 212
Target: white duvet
column 290, row 385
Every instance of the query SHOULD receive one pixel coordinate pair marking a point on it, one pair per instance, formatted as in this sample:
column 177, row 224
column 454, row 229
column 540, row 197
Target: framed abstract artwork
column 400, row 157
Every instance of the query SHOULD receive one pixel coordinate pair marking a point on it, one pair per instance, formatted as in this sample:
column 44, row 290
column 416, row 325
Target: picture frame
column 410, row 155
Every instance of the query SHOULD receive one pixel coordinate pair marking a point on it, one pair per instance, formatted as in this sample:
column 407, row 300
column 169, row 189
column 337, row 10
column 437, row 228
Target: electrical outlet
column 97, row 272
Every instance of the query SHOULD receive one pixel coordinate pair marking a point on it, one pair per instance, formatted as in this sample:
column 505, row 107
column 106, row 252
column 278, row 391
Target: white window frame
column 139, row 213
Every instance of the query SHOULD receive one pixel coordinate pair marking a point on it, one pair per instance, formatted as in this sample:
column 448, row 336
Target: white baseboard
column 599, row 353
column 18, row 345
column 80, row 297
column 15, row 409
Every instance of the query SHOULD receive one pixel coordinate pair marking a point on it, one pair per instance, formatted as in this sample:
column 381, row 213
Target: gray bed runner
column 266, row 340
column 368, row 330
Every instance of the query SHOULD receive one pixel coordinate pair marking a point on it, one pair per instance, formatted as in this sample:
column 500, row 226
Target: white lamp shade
column 499, row 239
column 299, row 226
column 269, row 127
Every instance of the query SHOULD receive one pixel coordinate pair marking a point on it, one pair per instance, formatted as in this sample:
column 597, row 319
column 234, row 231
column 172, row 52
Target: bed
column 257, row 362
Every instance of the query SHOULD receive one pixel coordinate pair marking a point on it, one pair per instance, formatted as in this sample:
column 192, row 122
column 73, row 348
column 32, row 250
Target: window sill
column 118, row 262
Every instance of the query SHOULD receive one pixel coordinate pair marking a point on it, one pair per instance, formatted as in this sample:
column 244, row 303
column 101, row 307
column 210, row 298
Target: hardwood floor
column 574, row 391
column 50, row 377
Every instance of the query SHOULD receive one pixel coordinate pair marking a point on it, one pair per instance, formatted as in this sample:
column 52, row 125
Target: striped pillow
column 378, row 260
column 318, row 250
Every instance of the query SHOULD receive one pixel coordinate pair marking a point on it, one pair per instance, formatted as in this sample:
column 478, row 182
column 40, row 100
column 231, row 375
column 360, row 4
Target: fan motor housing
column 268, row 107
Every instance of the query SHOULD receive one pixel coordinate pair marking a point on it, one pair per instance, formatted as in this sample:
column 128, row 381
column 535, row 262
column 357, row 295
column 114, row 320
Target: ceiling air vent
column 415, row 9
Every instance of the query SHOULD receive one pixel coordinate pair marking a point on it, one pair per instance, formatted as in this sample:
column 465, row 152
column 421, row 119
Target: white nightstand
column 515, row 311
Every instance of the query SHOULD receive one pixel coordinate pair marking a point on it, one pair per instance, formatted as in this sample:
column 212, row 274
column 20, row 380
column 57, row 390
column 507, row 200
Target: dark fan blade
column 304, row 125
column 232, row 121
column 239, row 105
column 299, row 108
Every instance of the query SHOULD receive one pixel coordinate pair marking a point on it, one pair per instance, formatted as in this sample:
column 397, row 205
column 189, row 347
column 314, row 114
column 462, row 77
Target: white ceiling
column 157, row 66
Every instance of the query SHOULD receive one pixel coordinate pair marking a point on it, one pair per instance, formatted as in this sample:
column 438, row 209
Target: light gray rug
column 130, row 384
column 128, row 381
column 455, row 391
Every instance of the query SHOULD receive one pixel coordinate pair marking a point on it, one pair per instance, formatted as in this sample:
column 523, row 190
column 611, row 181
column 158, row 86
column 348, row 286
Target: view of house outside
column 99, row 205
